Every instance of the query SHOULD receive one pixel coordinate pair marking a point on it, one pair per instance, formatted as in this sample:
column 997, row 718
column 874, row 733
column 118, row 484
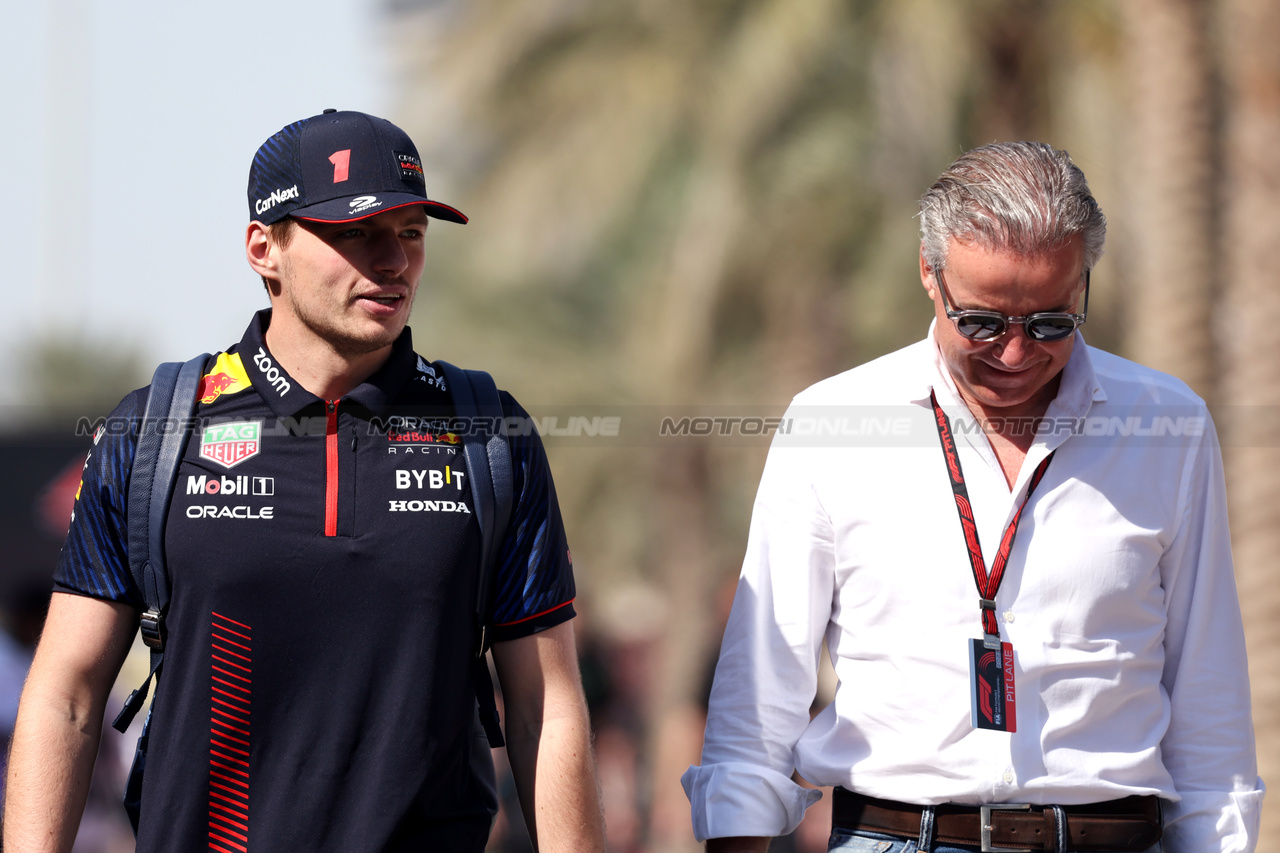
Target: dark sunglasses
column 1044, row 327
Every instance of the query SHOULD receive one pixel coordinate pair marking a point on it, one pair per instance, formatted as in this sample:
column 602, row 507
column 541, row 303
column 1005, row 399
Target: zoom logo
column 272, row 373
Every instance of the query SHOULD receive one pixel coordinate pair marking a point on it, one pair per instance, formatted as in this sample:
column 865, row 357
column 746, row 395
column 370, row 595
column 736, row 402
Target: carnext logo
column 262, row 205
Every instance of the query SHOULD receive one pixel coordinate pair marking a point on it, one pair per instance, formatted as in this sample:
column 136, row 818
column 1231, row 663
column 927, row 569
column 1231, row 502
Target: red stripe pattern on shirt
column 231, row 675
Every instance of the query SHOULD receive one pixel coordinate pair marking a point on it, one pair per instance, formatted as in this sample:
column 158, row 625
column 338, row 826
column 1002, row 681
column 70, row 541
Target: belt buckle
column 984, row 826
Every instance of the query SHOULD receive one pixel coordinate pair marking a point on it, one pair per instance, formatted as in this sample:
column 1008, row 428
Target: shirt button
column 1008, row 777
column 1008, row 616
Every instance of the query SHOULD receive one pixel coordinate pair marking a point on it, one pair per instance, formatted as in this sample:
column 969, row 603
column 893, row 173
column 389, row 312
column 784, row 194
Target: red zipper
column 331, row 469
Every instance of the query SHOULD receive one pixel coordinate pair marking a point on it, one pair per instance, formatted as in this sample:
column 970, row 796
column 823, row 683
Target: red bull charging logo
column 226, row 377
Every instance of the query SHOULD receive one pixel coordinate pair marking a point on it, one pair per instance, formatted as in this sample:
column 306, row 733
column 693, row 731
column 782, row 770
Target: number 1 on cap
column 341, row 161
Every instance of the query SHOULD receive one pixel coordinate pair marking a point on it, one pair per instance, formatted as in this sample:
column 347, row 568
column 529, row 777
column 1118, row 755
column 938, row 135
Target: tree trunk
column 1251, row 343
column 1172, row 191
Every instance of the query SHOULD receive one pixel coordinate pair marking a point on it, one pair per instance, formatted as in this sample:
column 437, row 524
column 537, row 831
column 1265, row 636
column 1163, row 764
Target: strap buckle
column 989, row 641
column 985, row 827
column 152, row 628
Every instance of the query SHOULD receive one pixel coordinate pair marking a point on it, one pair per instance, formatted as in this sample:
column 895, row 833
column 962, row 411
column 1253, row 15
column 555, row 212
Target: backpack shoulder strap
column 497, row 452
column 488, row 458
column 162, row 436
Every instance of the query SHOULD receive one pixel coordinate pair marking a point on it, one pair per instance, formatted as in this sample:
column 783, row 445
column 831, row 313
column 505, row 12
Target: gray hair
column 1024, row 197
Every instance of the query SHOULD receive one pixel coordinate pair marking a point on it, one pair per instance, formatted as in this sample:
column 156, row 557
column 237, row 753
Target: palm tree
column 1171, row 190
column 1251, row 344
column 702, row 204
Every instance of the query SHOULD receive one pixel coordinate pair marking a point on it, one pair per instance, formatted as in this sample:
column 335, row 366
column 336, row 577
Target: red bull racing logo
column 232, row 443
column 226, row 377
column 412, row 435
column 423, row 437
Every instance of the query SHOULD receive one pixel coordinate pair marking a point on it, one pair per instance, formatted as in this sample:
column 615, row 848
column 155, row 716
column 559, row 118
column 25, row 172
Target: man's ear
column 926, row 276
column 261, row 252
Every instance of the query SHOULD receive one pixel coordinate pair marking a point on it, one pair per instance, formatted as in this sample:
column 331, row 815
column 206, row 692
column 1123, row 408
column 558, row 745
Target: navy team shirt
column 316, row 693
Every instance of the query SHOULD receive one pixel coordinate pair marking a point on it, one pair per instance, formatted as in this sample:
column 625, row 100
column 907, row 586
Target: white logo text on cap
column 359, row 204
column 262, row 205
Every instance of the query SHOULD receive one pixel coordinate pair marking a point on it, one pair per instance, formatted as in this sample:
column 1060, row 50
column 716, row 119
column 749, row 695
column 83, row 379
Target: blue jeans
column 847, row 841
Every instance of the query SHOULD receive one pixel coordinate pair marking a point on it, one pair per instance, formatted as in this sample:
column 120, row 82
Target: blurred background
column 676, row 207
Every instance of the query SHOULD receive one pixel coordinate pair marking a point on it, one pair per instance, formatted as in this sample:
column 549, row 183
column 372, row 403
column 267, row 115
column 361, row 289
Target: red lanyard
column 987, row 584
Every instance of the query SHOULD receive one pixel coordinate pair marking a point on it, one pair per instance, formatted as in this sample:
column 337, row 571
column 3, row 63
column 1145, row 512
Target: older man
column 1029, row 603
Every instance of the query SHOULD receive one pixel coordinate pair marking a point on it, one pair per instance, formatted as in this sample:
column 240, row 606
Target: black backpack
column 167, row 424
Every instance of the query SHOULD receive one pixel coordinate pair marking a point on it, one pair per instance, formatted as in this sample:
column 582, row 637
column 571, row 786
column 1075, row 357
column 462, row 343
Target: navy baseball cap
column 339, row 167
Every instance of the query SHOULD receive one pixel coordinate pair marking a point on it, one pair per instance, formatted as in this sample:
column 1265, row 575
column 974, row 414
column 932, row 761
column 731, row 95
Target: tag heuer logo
column 230, row 444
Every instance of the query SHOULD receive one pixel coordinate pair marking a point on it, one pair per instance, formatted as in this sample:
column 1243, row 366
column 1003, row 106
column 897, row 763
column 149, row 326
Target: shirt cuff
column 740, row 799
column 1211, row 821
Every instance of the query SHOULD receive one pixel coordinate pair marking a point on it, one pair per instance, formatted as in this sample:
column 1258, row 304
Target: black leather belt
column 1131, row 824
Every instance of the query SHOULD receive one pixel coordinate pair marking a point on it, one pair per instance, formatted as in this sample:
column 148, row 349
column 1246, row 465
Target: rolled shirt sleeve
column 1209, row 746
column 767, row 673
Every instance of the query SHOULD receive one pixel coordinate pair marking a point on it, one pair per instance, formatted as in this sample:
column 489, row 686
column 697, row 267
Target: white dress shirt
column 1119, row 601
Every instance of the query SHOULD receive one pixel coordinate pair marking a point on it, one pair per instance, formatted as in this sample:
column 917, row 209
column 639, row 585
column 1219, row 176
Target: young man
column 1054, row 691
column 317, row 687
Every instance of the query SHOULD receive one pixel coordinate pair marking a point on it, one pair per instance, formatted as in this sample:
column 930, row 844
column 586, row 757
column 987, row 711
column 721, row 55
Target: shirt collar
column 286, row 397
column 1078, row 390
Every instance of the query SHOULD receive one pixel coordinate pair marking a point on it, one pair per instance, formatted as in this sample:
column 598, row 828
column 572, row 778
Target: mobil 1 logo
column 231, row 492
column 241, row 484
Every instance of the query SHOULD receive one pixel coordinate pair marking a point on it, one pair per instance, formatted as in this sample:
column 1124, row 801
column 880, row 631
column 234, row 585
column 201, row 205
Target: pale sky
column 128, row 130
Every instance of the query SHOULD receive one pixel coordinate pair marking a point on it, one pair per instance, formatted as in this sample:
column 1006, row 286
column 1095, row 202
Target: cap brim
column 346, row 210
